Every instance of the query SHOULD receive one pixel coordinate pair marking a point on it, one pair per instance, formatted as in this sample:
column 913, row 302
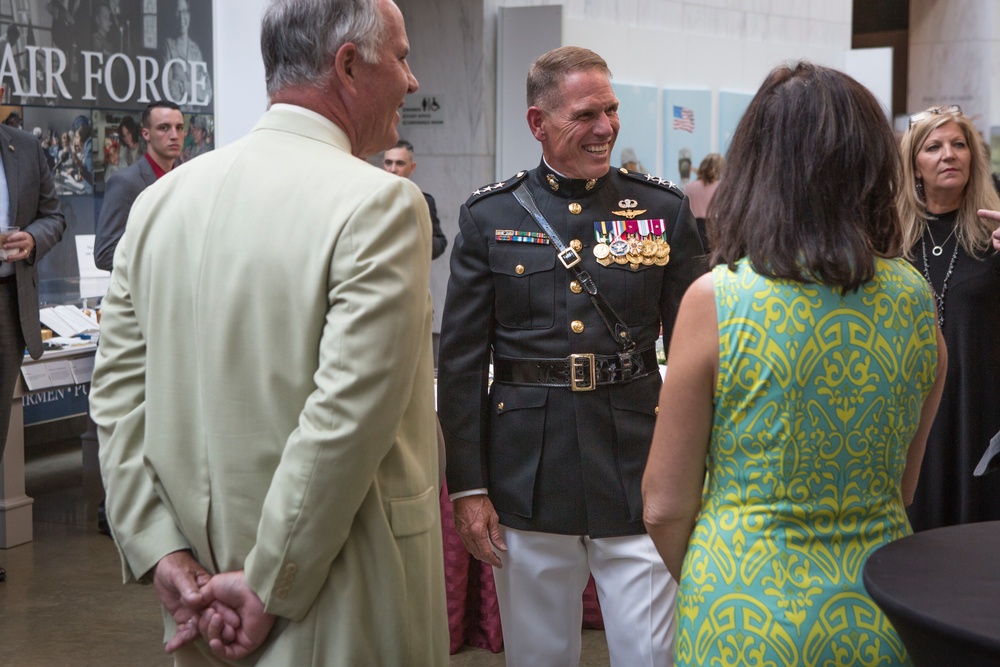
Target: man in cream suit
column 27, row 201
column 264, row 384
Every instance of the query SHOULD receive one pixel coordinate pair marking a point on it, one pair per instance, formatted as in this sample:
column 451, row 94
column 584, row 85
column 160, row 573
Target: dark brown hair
column 811, row 180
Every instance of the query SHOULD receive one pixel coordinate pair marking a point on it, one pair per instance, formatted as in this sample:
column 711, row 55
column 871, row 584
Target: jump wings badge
column 629, row 209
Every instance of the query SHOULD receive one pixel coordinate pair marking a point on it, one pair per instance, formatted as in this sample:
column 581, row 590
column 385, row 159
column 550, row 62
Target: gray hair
column 299, row 38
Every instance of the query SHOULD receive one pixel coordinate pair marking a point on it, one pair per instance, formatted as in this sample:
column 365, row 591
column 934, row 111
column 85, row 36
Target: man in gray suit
column 27, row 201
column 163, row 130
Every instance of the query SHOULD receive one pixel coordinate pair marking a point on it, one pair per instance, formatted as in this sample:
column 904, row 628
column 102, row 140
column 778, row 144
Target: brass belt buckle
column 582, row 372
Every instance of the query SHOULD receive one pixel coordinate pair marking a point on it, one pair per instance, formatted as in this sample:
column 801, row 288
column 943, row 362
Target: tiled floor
column 63, row 602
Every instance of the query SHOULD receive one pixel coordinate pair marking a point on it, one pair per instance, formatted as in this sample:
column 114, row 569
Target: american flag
column 683, row 119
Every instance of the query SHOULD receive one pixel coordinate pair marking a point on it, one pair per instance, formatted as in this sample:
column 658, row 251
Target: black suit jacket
column 34, row 208
column 121, row 192
column 438, row 241
column 555, row 460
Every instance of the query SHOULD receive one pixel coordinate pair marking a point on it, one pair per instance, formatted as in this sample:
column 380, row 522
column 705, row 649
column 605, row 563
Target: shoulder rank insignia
column 656, row 180
column 499, row 185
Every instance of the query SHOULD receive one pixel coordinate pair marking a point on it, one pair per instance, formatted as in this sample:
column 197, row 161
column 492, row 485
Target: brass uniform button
column 576, row 245
column 575, row 208
column 656, row 410
column 519, row 269
column 520, row 174
column 577, row 326
column 500, row 406
column 575, row 287
column 623, row 170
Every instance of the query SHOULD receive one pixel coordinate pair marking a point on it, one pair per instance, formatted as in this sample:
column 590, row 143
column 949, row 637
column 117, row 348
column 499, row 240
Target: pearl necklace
column 939, row 298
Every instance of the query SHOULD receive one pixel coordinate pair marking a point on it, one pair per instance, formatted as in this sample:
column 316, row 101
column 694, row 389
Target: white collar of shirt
column 546, row 163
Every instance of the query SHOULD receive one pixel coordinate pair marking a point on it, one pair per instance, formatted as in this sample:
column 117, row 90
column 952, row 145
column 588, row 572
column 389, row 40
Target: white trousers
column 540, row 591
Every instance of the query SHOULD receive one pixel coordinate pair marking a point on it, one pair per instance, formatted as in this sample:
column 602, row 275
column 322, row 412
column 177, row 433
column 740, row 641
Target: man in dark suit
column 163, row 130
column 399, row 160
column 545, row 465
column 28, row 202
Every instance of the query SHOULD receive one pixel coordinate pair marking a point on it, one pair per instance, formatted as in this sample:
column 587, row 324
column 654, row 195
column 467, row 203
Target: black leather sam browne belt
column 579, row 372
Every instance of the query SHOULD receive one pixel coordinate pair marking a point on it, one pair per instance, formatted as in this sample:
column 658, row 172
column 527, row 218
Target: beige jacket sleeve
column 144, row 528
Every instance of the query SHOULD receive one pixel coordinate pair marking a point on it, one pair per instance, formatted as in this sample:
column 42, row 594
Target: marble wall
column 954, row 47
column 452, row 55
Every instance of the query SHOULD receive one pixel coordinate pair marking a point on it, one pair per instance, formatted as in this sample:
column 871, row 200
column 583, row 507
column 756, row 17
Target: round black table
column 941, row 591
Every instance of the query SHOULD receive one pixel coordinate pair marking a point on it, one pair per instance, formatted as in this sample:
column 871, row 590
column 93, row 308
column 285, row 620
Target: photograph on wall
column 80, row 72
column 731, row 108
column 107, row 53
column 67, row 137
column 119, row 141
column 200, row 136
column 635, row 148
column 687, row 133
column 12, row 116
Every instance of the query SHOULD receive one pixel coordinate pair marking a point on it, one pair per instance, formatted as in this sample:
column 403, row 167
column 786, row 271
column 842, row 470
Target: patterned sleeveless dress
column 818, row 397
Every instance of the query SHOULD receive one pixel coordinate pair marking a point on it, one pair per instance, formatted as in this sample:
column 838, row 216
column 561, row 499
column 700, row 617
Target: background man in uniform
column 399, row 160
column 27, row 191
column 264, row 384
column 546, row 466
column 163, row 130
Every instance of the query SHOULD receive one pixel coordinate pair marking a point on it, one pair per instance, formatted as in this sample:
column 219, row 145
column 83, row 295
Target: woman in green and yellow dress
column 803, row 377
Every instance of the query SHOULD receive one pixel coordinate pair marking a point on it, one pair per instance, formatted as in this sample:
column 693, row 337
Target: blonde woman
column 946, row 181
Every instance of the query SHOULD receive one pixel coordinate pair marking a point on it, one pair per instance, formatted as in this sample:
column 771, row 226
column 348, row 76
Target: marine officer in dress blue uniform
column 545, row 463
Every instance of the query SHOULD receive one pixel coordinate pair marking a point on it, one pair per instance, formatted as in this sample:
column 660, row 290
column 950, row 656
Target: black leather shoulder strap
column 571, row 260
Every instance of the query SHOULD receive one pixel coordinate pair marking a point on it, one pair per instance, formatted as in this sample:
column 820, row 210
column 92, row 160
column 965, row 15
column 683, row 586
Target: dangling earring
column 920, row 189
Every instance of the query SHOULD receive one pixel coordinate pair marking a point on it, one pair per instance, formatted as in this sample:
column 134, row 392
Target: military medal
column 648, row 252
column 619, row 247
column 636, row 243
column 601, row 250
column 662, row 252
